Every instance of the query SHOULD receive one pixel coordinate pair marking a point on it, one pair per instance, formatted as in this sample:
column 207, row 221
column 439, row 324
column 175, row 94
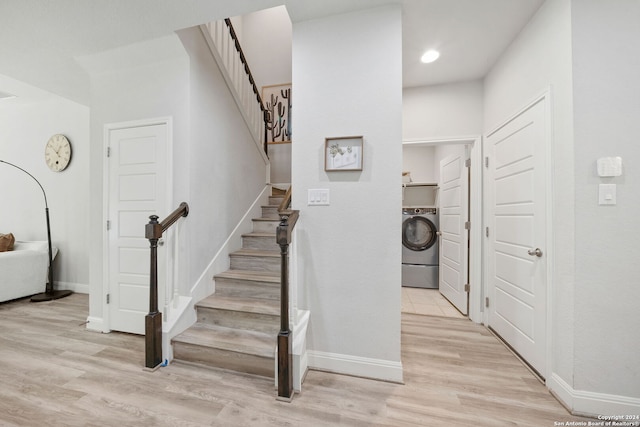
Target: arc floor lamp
column 49, row 294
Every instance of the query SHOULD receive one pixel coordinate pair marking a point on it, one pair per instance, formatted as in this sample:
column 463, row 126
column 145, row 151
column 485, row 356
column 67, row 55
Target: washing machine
column 420, row 264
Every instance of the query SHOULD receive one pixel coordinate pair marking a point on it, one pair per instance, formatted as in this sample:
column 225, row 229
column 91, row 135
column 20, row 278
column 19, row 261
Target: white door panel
column 516, row 215
column 453, row 213
column 137, row 189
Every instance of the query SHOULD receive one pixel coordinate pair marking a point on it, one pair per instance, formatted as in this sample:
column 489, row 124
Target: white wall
column 26, row 123
column 606, row 66
column 225, row 168
column 419, row 161
column 266, row 42
column 217, row 168
column 442, row 111
column 349, row 251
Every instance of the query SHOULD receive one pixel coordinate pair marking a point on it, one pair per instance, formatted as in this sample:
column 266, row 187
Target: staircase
column 238, row 325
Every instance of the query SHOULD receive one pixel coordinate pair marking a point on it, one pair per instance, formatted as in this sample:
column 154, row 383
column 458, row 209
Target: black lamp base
column 49, row 296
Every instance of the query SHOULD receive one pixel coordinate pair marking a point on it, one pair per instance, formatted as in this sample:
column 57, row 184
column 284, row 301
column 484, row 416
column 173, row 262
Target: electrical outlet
column 607, row 194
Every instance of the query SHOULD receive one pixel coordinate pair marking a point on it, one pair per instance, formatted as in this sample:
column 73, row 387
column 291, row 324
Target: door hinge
column 467, row 287
column 486, row 302
column 108, row 225
column 486, row 231
column 467, row 163
column 467, row 225
column 486, row 162
column 108, row 151
column 108, row 298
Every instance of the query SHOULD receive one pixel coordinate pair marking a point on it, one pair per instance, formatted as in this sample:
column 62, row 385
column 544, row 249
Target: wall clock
column 57, row 153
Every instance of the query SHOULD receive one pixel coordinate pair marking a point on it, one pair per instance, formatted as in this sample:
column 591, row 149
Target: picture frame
column 277, row 101
column 343, row 153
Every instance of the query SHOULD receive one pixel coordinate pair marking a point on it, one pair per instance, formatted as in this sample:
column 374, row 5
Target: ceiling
column 47, row 36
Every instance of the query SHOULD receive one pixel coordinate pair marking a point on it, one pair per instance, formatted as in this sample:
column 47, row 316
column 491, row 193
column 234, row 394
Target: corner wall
column 26, row 124
column 606, row 66
column 347, row 74
column 217, row 168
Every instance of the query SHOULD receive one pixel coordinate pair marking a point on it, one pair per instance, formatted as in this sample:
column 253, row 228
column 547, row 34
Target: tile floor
column 429, row 302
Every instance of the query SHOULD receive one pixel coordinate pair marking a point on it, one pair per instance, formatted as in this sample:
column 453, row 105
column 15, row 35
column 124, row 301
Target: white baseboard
column 96, row 324
column 299, row 349
column 591, row 403
column 79, row 288
column 378, row 369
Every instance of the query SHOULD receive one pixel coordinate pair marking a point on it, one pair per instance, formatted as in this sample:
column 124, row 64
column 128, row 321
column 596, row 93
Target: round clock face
column 57, row 153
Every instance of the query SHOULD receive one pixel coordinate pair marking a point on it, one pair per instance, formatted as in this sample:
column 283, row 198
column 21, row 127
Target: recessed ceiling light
column 430, row 56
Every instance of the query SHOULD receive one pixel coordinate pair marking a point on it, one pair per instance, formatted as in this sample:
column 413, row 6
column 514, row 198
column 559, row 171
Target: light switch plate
column 318, row 197
column 607, row 194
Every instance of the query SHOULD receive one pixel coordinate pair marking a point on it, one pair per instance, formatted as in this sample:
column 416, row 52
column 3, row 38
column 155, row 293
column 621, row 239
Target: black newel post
column 285, row 363
column 153, row 320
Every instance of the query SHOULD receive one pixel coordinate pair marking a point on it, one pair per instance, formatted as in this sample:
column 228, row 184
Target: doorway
column 517, row 245
column 136, row 186
column 468, row 267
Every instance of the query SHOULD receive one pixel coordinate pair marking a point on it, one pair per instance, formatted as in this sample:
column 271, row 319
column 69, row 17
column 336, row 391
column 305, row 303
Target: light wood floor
column 53, row 372
column 429, row 302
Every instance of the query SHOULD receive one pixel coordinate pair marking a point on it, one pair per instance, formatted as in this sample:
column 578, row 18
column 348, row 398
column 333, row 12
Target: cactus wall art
column 277, row 101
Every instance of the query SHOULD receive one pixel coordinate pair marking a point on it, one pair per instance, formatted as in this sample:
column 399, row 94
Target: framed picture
column 343, row 153
column 277, row 101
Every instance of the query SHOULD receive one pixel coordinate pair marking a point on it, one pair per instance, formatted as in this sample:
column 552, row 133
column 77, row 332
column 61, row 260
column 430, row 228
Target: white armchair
column 23, row 271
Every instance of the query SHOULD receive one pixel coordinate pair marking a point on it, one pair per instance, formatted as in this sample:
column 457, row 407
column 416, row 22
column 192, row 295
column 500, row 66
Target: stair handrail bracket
column 284, row 232
column 153, row 320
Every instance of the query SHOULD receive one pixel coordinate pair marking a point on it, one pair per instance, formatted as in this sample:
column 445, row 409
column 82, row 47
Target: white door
column 137, row 189
column 454, row 238
column 516, row 217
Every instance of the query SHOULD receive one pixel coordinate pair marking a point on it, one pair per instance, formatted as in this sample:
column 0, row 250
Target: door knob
column 161, row 243
column 535, row 252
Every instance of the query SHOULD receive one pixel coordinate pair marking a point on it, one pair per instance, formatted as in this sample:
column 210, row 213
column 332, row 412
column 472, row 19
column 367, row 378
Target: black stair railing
column 153, row 320
column 265, row 113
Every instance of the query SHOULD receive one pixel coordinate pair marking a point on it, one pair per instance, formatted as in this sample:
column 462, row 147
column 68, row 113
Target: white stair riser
column 225, row 359
column 239, row 320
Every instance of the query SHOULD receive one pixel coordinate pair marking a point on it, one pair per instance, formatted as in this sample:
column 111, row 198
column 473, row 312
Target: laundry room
column 441, row 123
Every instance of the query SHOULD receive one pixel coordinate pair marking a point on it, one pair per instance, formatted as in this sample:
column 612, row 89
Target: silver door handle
column 535, row 252
column 160, row 242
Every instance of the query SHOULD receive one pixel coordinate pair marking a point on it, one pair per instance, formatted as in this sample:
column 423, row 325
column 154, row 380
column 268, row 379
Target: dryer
column 420, row 264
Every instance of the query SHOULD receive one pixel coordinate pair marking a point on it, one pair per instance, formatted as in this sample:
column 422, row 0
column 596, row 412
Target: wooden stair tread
column 257, row 276
column 236, row 340
column 247, row 305
column 255, row 252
